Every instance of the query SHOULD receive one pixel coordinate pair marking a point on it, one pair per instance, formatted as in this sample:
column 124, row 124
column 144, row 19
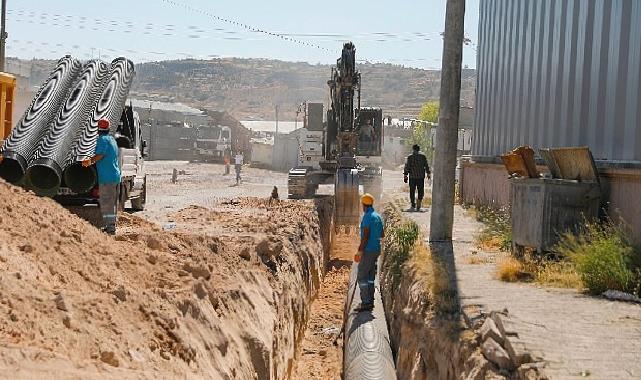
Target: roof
column 165, row 106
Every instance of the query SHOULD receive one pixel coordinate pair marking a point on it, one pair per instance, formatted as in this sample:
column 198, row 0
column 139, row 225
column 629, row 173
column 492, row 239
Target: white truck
column 211, row 143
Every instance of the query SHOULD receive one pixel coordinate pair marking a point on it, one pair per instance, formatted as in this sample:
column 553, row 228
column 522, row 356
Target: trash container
column 545, row 208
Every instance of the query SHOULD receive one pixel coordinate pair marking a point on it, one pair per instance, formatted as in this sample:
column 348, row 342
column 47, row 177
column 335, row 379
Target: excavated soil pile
column 225, row 295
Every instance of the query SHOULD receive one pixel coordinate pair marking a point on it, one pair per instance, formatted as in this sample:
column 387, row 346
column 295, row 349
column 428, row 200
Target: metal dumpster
column 543, row 208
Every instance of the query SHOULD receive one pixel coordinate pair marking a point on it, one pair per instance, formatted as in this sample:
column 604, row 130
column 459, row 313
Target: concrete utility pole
column 442, row 217
column 3, row 34
column 276, row 134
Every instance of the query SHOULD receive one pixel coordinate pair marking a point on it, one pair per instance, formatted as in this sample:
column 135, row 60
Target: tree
column 429, row 112
column 422, row 133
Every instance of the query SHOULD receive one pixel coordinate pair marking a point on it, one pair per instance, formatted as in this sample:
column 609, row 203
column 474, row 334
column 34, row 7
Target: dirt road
column 202, row 185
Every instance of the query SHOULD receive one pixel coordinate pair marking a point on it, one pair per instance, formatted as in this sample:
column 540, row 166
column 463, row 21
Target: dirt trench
column 225, row 294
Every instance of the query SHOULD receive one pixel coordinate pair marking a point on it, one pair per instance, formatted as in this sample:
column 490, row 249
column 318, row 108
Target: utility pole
column 276, row 124
column 3, row 35
column 442, row 217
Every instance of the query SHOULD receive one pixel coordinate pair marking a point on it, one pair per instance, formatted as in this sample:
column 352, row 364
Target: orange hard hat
column 367, row 199
column 103, row 124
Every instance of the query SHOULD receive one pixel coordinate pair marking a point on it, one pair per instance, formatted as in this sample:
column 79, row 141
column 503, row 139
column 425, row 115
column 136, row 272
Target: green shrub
column 604, row 256
column 399, row 243
column 496, row 233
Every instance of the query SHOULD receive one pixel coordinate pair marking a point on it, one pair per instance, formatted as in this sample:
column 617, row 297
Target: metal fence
column 559, row 73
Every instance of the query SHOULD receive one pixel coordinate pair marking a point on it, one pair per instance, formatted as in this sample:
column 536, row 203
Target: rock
column 621, row 296
column 110, row 358
column 154, row 243
column 496, row 354
column 27, row 248
column 165, row 355
column 61, row 304
column 245, row 253
column 152, row 259
column 120, row 293
column 200, row 290
column 532, row 371
column 66, row 320
column 136, row 356
column 13, row 317
column 322, row 353
column 489, row 330
column 515, row 347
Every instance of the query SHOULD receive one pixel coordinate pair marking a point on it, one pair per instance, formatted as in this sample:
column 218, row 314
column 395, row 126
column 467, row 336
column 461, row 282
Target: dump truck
column 346, row 150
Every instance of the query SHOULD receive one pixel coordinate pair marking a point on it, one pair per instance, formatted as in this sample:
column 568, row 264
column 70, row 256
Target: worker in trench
column 416, row 169
column 368, row 252
column 106, row 160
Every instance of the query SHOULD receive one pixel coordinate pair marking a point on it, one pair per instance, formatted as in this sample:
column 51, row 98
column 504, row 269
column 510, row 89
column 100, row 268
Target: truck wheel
column 138, row 204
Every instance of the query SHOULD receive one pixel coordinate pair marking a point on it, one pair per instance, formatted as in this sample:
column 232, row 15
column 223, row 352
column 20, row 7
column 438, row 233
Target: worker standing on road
column 368, row 252
column 238, row 162
column 106, row 160
column 416, row 168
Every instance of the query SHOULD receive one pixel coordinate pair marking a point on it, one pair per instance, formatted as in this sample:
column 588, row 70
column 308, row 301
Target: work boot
column 364, row 307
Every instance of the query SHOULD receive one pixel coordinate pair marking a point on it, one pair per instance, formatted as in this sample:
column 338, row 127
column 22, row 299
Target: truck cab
column 211, row 143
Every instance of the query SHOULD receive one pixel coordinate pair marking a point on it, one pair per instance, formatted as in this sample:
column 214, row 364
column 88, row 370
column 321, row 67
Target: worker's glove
column 86, row 163
column 357, row 256
column 405, row 178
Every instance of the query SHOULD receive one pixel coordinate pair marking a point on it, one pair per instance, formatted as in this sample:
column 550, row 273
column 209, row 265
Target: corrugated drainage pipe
column 45, row 171
column 19, row 148
column 367, row 353
column 110, row 105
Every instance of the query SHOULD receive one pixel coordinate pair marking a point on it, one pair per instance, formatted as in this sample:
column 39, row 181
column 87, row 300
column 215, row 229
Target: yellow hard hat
column 367, row 199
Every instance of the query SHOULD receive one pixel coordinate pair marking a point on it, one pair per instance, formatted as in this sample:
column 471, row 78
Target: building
column 555, row 73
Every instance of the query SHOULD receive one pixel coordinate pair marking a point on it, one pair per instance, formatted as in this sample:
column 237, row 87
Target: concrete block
column 489, row 330
column 473, row 315
column 532, row 371
column 517, row 350
column 496, row 354
column 505, row 325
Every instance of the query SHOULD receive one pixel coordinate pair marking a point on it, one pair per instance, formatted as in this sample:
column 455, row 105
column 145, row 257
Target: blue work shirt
column 108, row 168
column 373, row 221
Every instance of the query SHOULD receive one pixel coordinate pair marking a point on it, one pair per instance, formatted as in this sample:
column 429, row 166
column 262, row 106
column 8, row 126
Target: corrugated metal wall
column 559, row 73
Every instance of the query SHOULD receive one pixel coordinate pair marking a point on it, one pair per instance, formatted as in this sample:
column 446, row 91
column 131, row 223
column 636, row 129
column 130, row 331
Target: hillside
column 250, row 88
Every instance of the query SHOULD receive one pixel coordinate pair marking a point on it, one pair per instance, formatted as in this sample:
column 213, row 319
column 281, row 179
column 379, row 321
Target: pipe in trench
column 19, row 148
column 367, row 352
column 45, row 171
column 110, row 105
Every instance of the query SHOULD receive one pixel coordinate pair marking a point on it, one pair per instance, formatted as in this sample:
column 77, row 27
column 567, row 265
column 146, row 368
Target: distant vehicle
column 132, row 153
column 211, row 143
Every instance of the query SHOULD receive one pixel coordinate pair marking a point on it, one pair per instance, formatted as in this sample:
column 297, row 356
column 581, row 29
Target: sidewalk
column 577, row 335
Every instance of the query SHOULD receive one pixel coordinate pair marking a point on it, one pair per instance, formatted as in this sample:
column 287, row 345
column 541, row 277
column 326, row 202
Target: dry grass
column 434, row 277
column 559, row 275
column 476, row 260
column 511, row 270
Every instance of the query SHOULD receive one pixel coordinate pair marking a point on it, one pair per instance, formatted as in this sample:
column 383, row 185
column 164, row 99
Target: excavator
column 351, row 145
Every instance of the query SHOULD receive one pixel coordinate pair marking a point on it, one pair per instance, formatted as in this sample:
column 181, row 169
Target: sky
column 405, row 32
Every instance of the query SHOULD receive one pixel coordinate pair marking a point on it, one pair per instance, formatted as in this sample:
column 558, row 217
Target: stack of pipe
column 81, row 179
column 60, row 127
column 45, row 171
column 19, row 148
